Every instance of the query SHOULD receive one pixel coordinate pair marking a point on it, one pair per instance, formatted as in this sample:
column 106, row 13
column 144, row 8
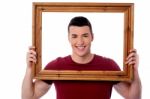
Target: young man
column 80, row 37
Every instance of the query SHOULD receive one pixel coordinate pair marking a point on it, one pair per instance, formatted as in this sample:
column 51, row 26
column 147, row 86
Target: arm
column 32, row 89
column 131, row 90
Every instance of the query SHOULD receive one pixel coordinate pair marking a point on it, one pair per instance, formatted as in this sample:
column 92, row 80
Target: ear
column 92, row 36
column 68, row 38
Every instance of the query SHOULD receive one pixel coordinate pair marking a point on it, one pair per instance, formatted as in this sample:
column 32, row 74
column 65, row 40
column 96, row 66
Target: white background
column 107, row 28
column 15, row 37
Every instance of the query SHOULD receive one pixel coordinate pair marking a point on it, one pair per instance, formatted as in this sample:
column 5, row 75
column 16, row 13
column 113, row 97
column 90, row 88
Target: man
column 80, row 37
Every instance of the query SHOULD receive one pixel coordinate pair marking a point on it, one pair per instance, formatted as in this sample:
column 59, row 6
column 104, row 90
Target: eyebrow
column 82, row 34
column 73, row 34
column 85, row 34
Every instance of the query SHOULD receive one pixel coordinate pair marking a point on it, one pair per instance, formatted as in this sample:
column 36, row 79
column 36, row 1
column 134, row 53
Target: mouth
column 80, row 48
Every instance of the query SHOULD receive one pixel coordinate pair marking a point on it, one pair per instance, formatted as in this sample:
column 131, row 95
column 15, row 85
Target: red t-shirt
column 83, row 89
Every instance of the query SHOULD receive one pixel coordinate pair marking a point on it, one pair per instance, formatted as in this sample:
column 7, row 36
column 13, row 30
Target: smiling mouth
column 80, row 47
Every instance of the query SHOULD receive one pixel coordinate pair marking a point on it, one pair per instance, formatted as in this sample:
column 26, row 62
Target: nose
column 80, row 41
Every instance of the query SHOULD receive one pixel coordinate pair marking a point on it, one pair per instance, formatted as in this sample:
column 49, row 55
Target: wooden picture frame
column 126, row 8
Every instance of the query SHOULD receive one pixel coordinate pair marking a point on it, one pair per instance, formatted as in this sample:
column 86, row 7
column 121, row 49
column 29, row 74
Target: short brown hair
column 80, row 21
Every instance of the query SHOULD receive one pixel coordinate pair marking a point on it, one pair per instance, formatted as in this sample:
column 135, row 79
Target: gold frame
column 126, row 8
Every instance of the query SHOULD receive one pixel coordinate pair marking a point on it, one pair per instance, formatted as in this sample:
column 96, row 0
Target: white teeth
column 80, row 47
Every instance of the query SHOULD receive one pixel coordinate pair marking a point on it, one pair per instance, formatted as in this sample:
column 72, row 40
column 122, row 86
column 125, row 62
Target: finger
column 32, row 52
column 31, row 60
column 31, row 47
column 127, row 62
column 29, row 55
column 131, row 55
column 32, row 56
column 131, row 59
column 133, row 50
column 132, row 63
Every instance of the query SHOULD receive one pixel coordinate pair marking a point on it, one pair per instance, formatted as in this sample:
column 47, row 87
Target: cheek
column 72, row 42
column 88, row 41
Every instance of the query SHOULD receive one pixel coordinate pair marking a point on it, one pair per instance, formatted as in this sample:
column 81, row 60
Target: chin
column 81, row 54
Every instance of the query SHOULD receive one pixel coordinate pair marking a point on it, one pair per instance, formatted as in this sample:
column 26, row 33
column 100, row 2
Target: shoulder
column 109, row 63
column 103, row 59
column 113, row 64
column 55, row 64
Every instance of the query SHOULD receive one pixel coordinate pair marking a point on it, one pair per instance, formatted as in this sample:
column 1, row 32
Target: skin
column 32, row 89
column 133, row 89
column 80, row 39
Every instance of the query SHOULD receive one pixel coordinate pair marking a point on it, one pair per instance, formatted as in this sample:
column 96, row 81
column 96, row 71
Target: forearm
column 28, row 86
column 137, row 92
column 135, row 88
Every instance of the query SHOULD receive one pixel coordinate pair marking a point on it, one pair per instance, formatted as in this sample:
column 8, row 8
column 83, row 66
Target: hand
column 133, row 59
column 31, row 56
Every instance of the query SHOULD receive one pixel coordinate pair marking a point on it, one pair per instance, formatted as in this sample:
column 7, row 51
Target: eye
column 85, row 35
column 73, row 36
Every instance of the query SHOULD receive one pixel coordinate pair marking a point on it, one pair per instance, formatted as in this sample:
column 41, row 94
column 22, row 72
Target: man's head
column 80, row 21
column 80, row 36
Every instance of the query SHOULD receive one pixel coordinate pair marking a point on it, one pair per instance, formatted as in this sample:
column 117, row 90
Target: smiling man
column 80, row 39
column 80, row 36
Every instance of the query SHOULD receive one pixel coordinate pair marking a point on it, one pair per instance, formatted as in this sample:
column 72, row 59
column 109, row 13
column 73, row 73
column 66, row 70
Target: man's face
column 80, row 39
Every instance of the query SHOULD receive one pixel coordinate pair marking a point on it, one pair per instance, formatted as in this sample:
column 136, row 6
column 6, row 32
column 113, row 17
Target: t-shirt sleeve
column 53, row 65
column 114, row 65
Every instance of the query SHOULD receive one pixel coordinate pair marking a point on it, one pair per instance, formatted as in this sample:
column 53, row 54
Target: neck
column 82, row 59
